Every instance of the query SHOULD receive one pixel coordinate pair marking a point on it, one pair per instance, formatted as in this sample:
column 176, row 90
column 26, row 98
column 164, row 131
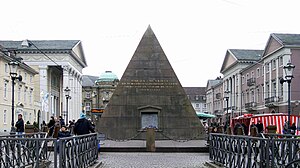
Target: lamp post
column 226, row 97
column 13, row 66
column 67, row 92
column 288, row 70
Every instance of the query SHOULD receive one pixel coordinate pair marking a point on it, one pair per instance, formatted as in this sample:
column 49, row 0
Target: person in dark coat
column 63, row 132
column 83, row 126
column 50, row 126
column 20, row 125
column 61, row 120
column 260, row 127
column 293, row 129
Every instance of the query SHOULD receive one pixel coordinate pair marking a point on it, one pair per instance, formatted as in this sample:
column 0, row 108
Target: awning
column 205, row 115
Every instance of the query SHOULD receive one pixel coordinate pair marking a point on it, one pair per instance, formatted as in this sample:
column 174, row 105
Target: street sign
column 101, row 110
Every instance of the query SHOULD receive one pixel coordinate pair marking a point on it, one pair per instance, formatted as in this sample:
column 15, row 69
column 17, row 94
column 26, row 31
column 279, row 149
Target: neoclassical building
column 59, row 64
column 23, row 91
column 253, row 78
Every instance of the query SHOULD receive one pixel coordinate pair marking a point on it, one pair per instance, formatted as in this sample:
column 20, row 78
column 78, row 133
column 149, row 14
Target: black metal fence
column 37, row 150
column 245, row 151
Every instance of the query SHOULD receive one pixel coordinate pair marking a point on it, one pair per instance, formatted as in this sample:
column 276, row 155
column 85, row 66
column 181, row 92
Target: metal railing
column 36, row 150
column 245, row 151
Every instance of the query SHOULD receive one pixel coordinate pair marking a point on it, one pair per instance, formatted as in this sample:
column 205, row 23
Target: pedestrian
column 293, row 129
column 260, row 127
column 61, row 120
column 20, row 124
column 285, row 128
column 83, row 126
column 63, row 132
column 50, row 126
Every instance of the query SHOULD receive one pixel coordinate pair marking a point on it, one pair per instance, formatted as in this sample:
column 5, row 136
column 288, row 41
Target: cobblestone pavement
column 153, row 160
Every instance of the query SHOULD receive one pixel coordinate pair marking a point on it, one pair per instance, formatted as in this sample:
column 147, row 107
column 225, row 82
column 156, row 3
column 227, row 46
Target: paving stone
column 153, row 160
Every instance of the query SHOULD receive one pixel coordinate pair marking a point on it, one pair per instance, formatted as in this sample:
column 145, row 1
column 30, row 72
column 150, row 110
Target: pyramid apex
column 149, row 31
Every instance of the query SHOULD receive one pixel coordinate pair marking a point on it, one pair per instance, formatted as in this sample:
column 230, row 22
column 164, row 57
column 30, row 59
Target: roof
column 88, row 81
column 287, row 39
column 107, row 76
column 212, row 83
column 244, row 54
column 195, row 93
column 194, row 90
column 74, row 47
column 42, row 44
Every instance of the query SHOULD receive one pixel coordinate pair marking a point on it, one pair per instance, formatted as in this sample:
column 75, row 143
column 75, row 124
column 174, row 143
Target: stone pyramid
column 149, row 94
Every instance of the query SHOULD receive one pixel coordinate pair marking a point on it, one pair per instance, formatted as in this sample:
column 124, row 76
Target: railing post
column 55, row 153
column 249, row 160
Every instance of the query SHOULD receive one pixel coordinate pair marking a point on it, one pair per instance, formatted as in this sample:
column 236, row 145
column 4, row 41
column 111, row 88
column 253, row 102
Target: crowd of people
column 58, row 128
column 243, row 129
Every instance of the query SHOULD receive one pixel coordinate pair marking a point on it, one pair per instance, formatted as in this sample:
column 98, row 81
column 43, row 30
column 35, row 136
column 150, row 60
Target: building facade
column 197, row 97
column 60, row 64
column 23, row 92
column 97, row 92
column 253, row 77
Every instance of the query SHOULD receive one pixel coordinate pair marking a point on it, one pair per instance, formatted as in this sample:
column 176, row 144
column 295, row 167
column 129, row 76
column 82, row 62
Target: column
column 44, row 95
column 66, row 72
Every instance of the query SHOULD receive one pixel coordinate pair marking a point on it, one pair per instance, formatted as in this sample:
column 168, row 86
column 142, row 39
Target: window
column 252, row 96
column 149, row 120
column 197, row 105
column 281, row 90
column 4, row 117
column 30, row 96
column 25, row 76
column 268, row 89
column 243, row 79
column 6, row 68
column 247, row 76
column 197, row 97
column 274, row 64
column 31, row 78
column 88, row 95
column 257, row 72
column 274, row 88
column 19, row 93
column 87, row 106
column 280, row 61
column 257, row 95
column 252, row 74
column 267, row 67
column 25, row 94
column 5, row 89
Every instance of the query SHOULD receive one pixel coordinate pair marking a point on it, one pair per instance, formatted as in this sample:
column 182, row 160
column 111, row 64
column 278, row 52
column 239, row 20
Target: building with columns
column 60, row 64
column 23, row 92
column 234, row 62
column 253, row 77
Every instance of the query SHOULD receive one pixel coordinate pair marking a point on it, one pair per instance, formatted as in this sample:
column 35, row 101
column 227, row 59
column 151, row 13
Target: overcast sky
column 194, row 34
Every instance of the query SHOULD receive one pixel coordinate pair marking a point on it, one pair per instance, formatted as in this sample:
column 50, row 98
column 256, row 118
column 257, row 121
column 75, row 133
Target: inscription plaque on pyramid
column 149, row 94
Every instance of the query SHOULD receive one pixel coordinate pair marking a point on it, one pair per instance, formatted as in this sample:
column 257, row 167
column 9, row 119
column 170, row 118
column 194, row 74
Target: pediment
column 228, row 61
column 79, row 54
column 149, row 108
column 272, row 45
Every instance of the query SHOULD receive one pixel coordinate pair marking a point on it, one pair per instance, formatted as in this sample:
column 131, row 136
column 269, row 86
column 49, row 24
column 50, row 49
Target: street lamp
column 13, row 66
column 226, row 97
column 67, row 92
column 288, row 70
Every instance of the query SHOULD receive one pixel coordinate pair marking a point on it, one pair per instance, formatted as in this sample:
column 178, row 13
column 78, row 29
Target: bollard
column 150, row 140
